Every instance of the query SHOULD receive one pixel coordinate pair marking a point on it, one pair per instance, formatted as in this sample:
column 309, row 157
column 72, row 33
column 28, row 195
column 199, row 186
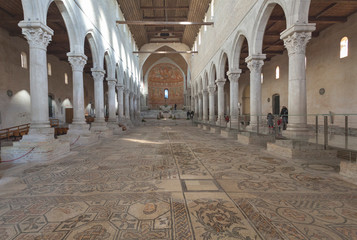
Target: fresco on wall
column 165, row 76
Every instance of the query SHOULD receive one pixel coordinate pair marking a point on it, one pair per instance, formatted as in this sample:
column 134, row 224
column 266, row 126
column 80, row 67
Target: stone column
column 38, row 36
column 212, row 115
column 135, row 107
column 205, row 105
column 120, row 89
column 200, row 108
column 255, row 64
column 127, row 112
column 111, row 100
column 196, row 106
column 220, row 84
column 233, row 77
column 78, row 61
column 131, row 106
column 98, row 76
column 295, row 41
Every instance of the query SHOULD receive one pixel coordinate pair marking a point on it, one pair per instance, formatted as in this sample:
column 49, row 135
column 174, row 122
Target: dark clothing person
column 192, row 114
column 175, row 106
column 270, row 118
column 284, row 115
column 188, row 114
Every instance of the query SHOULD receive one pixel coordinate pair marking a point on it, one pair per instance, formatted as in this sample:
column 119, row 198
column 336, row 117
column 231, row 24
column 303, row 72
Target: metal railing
column 338, row 131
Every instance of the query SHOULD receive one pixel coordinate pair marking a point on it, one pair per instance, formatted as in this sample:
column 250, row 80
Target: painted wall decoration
column 165, row 76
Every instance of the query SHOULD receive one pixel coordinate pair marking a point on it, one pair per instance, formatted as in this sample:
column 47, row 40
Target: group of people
column 282, row 120
column 190, row 114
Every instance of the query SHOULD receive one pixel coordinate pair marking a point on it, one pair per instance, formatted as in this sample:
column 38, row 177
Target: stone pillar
column 220, row 84
column 295, row 41
column 38, row 36
column 131, row 106
column 127, row 112
column 111, row 100
column 196, row 106
column 135, row 107
column 233, row 77
column 205, row 105
column 212, row 115
column 200, row 108
column 78, row 61
column 120, row 89
column 255, row 64
column 98, row 75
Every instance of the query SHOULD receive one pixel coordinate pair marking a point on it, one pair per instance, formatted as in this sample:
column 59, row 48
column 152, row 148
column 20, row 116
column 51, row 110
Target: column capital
column 200, row 94
column 296, row 43
column 234, row 75
column 126, row 91
column 255, row 62
column 77, row 61
column 98, row 74
column 37, row 34
column 211, row 88
column 111, row 82
column 120, row 87
column 205, row 92
column 220, row 82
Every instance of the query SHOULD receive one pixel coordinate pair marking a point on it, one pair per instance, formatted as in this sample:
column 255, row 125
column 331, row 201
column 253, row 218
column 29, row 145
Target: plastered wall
column 16, row 110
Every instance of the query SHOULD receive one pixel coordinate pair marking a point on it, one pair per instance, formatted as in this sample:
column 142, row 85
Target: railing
column 14, row 133
column 330, row 130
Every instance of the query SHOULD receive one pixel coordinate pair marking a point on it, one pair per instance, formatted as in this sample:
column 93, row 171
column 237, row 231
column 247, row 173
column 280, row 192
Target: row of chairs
column 14, row 133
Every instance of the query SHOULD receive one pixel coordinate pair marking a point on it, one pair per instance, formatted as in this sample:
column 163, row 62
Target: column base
column 297, row 131
column 248, row 138
column 98, row 127
column 79, row 135
column 221, row 123
column 26, row 152
column 228, row 133
column 348, row 170
column 300, row 149
column 39, row 135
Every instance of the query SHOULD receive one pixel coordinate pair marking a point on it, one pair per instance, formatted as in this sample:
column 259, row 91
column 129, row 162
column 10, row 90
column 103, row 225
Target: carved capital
column 37, row 35
column 255, row 65
column 212, row 88
column 220, row 82
column 120, row 87
column 127, row 91
column 296, row 43
column 205, row 92
column 98, row 74
column 233, row 76
column 111, row 82
column 77, row 61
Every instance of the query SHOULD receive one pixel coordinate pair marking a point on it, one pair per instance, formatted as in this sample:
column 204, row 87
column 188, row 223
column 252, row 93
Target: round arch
column 222, row 65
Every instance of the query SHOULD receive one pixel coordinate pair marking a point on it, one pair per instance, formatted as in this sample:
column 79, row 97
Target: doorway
column 276, row 104
column 50, row 106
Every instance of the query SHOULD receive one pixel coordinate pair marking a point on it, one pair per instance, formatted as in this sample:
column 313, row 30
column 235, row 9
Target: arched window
column 66, row 78
column 24, row 60
column 205, row 26
column 277, row 72
column 49, row 69
column 344, row 47
column 212, row 9
column 166, row 95
column 262, row 78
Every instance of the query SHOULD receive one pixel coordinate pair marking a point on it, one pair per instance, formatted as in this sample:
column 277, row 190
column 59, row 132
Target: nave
column 170, row 180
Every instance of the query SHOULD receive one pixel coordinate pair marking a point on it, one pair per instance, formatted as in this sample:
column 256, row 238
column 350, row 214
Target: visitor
column 192, row 114
column 226, row 118
column 270, row 118
column 175, row 106
column 284, row 115
column 188, row 114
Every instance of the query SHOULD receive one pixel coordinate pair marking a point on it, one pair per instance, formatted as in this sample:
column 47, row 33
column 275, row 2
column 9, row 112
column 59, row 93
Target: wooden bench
column 14, row 133
column 54, row 122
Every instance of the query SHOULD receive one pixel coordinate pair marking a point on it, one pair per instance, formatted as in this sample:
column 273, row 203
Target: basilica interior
column 178, row 119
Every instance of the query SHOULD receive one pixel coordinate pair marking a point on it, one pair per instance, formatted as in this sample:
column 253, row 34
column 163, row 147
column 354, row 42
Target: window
column 199, row 38
column 49, row 69
column 212, row 9
column 262, row 78
column 205, row 27
column 344, row 47
column 277, row 72
column 24, row 60
column 66, row 78
column 166, row 93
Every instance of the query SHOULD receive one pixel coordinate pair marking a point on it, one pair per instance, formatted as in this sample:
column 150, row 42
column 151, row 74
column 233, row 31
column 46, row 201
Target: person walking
column 284, row 115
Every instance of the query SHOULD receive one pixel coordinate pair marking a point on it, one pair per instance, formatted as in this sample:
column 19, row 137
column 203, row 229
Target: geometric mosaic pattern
column 169, row 180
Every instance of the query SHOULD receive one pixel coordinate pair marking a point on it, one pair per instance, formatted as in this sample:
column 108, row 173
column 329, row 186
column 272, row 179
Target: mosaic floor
column 169, row 180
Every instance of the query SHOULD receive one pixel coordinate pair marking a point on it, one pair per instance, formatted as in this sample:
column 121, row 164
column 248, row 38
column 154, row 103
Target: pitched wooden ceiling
column 324, row 13
column 164, row 10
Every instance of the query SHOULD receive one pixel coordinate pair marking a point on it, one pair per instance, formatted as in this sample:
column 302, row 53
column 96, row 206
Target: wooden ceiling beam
column 165, row 8
column 173, row 32
column 163, row 23
column 325, row 10
column 314, row 19
column 164, row 52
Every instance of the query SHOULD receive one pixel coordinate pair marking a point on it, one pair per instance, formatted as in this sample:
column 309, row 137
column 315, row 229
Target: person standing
column 175, row 106
column 284, row 115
